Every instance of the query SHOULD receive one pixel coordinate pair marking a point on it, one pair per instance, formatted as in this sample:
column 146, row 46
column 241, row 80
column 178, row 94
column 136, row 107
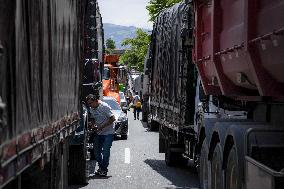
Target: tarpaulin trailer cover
column 41, row 45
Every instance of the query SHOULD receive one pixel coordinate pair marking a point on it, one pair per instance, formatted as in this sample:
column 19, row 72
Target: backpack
column 138, row 104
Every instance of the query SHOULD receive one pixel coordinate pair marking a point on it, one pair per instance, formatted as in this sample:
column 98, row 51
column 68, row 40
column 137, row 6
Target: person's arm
column 133, row 100
column 106, row 110
column 106, row 124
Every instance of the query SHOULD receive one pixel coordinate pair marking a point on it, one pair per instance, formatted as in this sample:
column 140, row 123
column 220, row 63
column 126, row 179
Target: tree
column 110, row 45
column 154, row 7
column 135, row 55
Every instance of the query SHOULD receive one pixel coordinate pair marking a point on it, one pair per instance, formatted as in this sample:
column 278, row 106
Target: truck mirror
column 98, row 85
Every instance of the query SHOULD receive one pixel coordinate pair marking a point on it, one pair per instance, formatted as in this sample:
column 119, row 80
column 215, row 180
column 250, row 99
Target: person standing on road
column 136, row 107
column 103, row 125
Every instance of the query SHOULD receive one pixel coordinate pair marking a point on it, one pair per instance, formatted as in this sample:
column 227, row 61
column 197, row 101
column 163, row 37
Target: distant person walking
column 103, row 125
column 136, row 105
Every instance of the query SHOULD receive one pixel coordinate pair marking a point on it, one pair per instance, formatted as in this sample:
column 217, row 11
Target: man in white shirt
column 103, row 124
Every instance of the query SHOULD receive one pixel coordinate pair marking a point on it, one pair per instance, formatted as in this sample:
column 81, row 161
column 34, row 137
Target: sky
column 125, row 12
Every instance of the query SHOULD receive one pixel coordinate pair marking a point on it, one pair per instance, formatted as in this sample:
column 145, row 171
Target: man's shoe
column 138, row 118
column 98, row 172
column 103, row 173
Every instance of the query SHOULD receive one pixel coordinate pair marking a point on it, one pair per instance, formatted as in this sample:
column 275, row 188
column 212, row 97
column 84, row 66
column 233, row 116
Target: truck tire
column 144, row 114
column 217, row 180
column 173, row 158
column 233, row 180
column 205, row 167
column 153, row 125
column 77, row 164
column 169, row 155
column 63, row 182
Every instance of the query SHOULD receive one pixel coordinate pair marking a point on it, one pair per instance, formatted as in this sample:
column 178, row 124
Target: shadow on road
column 76, row 186
column 144, row 124
column 98, row 177
column 181, row 177
column 90, row 178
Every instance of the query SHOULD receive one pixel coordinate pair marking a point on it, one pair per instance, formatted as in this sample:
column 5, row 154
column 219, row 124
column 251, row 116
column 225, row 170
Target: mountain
column 119, row 33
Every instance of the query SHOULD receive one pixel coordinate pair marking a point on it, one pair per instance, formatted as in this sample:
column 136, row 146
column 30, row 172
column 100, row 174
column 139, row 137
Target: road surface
column 136, row 163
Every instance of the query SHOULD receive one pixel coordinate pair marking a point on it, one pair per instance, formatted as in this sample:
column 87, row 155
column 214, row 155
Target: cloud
column 125, row 12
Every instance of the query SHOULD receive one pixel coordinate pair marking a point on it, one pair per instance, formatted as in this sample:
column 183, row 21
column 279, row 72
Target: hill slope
column 119, row 33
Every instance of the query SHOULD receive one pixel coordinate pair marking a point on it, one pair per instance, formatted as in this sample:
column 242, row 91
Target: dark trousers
column 136, row 112
column 102, row 145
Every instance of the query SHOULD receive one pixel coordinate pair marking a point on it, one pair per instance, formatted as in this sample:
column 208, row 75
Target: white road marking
column 128, row 176
column 127, row 155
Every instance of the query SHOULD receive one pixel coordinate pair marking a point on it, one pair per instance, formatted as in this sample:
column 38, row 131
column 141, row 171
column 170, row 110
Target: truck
column 110, row 76
column 216, row 90
column 43, row 48
column 114, row 77
column 146, row 88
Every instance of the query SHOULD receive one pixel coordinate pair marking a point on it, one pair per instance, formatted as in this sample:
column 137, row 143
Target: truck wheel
column 205, row 168
column 144, row 116
column 153, row 126
column 216, row 167
column 77, row 164
column 124, row 137
column 173, row 158
column 64, row 165
column 233, row 180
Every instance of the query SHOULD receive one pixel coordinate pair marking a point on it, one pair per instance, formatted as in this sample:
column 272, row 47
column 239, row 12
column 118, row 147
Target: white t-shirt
column 101, row 114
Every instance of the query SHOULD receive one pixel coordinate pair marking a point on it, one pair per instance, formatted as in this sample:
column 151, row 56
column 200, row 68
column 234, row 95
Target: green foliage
column 135, row 55
column 110, row 45
column 154, row 7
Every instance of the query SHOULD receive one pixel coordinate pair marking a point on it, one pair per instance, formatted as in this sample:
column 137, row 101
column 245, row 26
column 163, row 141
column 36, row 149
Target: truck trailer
column 216, row 90
column 43, row 47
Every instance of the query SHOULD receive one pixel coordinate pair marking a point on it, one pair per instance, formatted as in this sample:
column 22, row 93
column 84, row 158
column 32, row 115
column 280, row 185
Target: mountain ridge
column 118, row 33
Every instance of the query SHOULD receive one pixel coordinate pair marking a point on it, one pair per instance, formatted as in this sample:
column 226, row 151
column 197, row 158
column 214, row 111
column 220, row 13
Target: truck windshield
column 106, row 74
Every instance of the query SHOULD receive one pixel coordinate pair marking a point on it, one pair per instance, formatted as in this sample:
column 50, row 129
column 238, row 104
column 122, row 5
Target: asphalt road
column 136, row 163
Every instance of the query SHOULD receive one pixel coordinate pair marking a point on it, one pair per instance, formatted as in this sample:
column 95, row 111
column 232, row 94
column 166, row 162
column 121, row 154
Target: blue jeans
column 102, row 145
column 136, row 112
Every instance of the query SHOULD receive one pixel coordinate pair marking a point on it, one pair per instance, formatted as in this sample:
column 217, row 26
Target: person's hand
column 99, row 130
column 92, row 126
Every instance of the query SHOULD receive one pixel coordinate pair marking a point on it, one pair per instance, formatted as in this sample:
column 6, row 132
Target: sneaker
column 98, row 172
column 103, row 173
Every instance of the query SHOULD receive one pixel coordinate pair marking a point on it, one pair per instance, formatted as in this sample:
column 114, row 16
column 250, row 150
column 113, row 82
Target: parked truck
column 43, row 48
column 216, row 90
